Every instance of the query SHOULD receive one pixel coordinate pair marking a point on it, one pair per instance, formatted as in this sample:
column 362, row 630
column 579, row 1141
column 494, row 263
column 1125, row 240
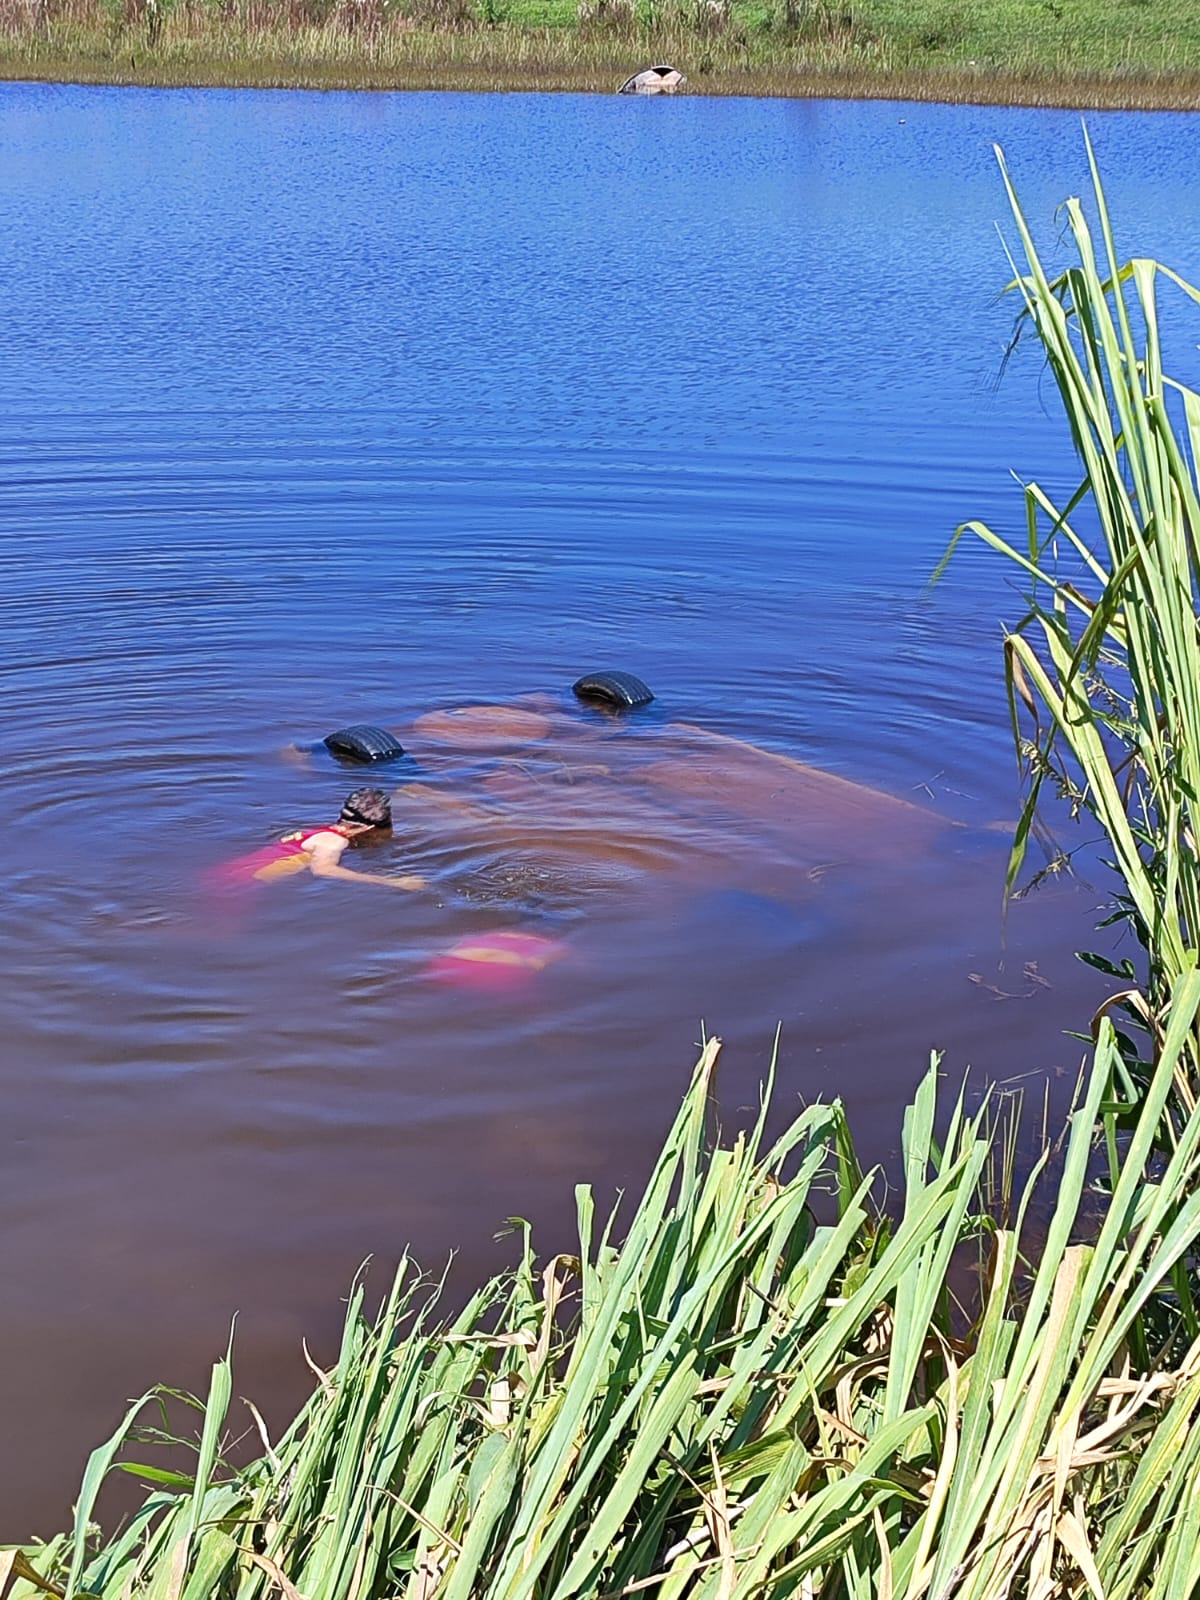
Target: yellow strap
column 285, row 867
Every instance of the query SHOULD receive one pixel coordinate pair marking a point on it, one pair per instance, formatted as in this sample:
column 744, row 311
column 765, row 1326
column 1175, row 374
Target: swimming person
column 320, row 850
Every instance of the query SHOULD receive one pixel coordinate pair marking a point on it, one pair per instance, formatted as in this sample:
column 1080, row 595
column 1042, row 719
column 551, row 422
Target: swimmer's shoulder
column 322, row 839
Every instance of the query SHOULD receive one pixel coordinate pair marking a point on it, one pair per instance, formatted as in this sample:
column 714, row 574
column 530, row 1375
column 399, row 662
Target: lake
column 322, row 409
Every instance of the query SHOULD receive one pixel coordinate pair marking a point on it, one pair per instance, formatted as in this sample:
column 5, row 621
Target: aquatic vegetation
column 764, row 1389
column 1104, row 668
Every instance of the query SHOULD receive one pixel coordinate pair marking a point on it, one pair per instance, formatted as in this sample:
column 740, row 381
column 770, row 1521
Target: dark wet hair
column 370, row 806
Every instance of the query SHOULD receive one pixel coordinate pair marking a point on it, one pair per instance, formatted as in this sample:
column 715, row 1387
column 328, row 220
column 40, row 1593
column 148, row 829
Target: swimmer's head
column 367, row 808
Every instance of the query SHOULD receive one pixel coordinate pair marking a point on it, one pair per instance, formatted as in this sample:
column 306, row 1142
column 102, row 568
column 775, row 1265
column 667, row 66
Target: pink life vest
column 286, row 856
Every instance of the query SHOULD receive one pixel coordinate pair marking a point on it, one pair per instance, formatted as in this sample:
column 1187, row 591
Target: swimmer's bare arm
column 333, row 869
column 325, row 862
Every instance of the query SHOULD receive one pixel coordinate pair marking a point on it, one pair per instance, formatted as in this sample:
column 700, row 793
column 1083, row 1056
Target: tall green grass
column 737, row 1399
column 1103, row 670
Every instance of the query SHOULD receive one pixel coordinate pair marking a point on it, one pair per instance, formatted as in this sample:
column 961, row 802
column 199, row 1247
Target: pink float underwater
column 503, row 960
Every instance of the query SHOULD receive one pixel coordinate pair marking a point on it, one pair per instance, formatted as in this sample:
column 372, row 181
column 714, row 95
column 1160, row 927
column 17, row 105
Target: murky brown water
column 320, row 410
column 246, row 1092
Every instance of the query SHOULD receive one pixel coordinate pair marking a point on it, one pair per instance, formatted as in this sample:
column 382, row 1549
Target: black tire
column 620, row 690
column 364, row 743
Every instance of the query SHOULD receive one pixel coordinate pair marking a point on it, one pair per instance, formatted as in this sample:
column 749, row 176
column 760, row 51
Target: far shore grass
column 1135, row 54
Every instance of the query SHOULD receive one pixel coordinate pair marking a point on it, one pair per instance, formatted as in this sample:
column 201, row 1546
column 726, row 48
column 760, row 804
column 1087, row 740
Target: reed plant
column 765, row 1389
column 1103, row 669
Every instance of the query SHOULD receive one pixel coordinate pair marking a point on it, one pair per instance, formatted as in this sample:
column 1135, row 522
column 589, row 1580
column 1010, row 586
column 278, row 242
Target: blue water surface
column 326, row 408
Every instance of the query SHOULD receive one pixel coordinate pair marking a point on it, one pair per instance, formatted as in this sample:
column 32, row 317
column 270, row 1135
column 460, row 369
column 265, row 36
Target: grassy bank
column 1132, row 53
